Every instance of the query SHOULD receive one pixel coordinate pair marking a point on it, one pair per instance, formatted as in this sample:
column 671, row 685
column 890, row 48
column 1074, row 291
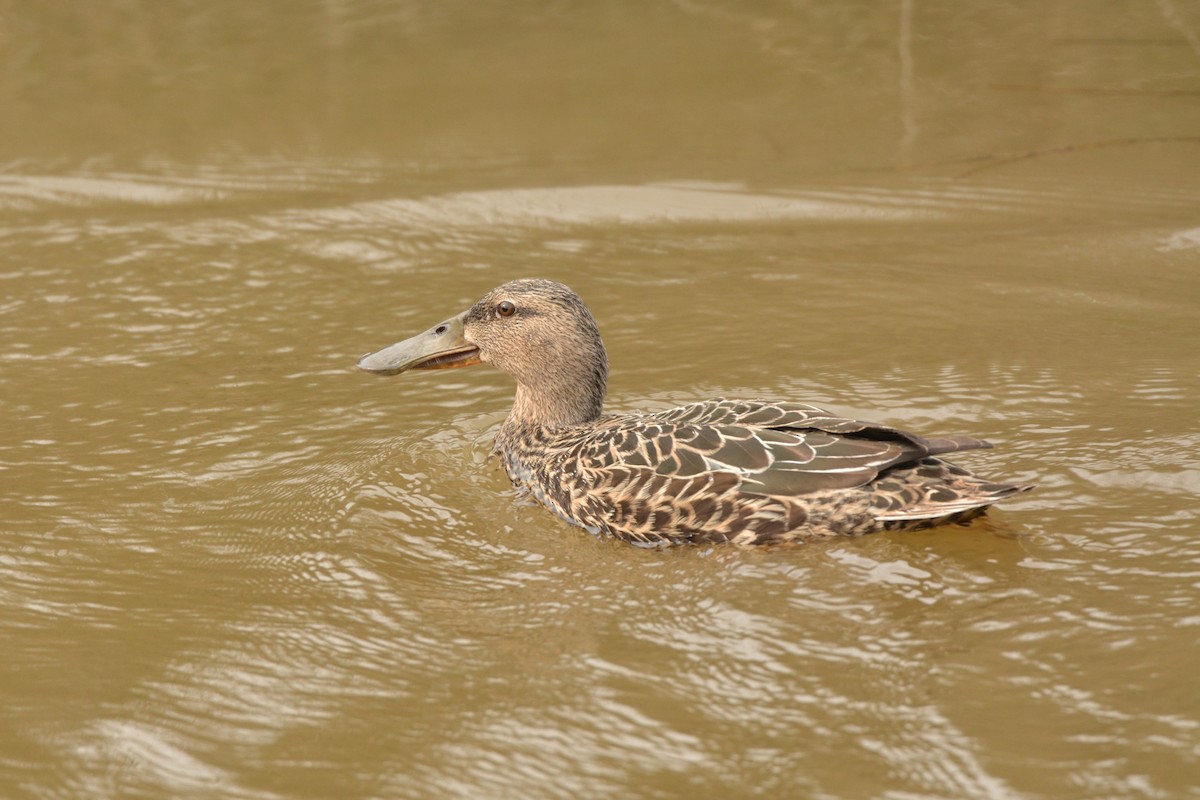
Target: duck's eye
column 505, row 309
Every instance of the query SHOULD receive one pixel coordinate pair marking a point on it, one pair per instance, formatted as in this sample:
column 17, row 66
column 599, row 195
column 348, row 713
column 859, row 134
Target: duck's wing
column 773, row 449
column 757, row 414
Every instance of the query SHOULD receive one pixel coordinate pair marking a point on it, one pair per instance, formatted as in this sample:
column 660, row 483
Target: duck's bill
column 441, row 347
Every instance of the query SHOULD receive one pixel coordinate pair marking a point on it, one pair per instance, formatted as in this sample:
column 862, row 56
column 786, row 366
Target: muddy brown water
column 233, row 566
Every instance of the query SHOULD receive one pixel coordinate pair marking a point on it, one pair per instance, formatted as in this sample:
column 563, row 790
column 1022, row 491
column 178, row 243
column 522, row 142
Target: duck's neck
column 536, row 409
column 573, row 395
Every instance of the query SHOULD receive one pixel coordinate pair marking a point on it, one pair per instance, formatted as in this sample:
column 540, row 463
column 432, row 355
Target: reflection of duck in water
column 748, row 472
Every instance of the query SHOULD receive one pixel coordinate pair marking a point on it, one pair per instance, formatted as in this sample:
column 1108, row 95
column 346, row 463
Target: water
column 234, row 566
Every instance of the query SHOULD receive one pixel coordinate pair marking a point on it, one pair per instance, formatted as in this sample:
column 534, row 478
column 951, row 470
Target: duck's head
column 536, row 330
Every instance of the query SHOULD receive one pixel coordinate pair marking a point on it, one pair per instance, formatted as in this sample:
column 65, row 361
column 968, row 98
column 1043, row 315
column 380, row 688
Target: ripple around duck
column 163, row 184
column 633, row 713
column 24, row 192
column 227, row 554
column 278, row 668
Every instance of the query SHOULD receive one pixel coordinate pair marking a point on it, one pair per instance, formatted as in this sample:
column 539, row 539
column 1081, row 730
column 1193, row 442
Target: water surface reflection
column 234, row 565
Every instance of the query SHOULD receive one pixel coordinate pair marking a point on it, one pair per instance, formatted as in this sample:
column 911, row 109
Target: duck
column 745, row 472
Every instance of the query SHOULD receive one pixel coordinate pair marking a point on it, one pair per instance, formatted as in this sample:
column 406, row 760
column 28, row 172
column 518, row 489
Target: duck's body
column 748, row 472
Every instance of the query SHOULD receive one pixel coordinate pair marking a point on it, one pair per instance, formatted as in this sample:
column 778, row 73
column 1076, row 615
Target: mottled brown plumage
column 748, row 472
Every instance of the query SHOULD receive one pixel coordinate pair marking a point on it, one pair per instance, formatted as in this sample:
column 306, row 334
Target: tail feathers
column 951, row 444
column 934, row 509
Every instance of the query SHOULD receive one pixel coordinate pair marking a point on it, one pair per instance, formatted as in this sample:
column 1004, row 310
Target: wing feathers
column 710, row 460
column 780, row 449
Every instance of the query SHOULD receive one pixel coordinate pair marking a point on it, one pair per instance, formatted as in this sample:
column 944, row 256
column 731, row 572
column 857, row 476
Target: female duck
column 748, row 472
